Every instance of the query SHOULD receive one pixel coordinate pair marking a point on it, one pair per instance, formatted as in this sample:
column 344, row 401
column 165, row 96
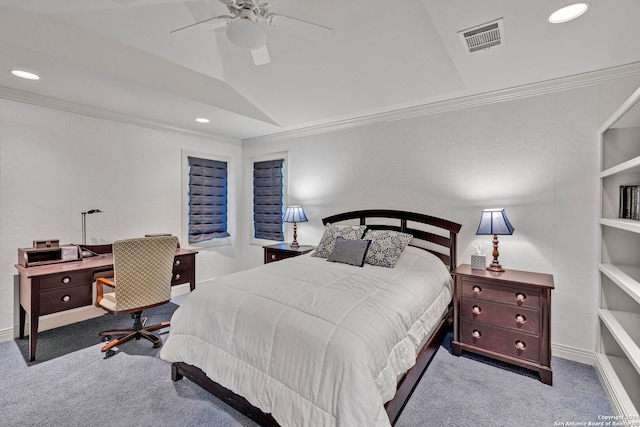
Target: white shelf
column 626, row 277
column 622, row 224
column 618, row 354
column 630, row 166
column 628, row 115
column 624, row 327
column 611, row 370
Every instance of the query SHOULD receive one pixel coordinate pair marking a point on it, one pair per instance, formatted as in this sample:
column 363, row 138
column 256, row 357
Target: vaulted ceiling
column 120, row 56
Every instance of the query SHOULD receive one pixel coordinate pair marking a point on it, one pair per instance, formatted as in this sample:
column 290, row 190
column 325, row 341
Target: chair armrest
column 101, row 282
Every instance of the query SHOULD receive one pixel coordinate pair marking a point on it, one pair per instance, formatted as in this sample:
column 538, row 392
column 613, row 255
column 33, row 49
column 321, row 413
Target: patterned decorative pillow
column 352, row 252
column 386, row 247
column 331, row 232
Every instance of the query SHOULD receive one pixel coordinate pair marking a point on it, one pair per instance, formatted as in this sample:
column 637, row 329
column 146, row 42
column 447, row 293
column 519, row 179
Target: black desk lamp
column 84, row 223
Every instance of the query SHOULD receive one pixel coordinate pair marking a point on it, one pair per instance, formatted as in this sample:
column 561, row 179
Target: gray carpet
column 71, row 384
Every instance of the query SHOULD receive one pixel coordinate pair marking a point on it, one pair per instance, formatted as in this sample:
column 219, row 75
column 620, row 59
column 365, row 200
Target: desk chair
column 142, row 280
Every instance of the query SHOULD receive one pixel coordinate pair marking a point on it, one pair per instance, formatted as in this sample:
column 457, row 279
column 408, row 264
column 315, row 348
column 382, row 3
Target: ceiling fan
column 245, row 26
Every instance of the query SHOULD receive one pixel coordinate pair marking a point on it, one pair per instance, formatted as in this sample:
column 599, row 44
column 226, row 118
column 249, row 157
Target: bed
column 305, row 341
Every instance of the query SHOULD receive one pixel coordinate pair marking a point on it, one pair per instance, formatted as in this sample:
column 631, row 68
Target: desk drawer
column 183, row 261
column 181, row 275
column 66, row 279
column 511, row 316
column 501, row 340
column 510, row 295
column 65, row 298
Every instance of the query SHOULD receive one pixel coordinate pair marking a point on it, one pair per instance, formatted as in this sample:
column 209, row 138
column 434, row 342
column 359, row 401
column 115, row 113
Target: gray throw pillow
column 331, row 232
column 352, row 252
column 386, row 247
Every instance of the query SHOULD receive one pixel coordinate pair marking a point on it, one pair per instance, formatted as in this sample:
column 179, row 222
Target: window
column 207, row 199
column 268, row 199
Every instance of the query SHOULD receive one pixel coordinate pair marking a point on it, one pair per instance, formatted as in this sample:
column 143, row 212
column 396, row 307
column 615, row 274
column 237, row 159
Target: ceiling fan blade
column 215, row 22
column 261, row 56
column 299, row 27
column 199, row 9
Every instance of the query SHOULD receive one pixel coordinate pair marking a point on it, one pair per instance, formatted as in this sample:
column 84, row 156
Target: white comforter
column 312, row 342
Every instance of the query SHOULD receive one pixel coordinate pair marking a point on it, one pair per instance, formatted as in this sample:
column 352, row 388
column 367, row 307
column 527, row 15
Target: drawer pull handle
column 520, row 345
column 177, row 262
column 476, row 333
column 477, row 289
column 520, row 319
column 520, row 297
column 66, row 298
column 177, row 276
column 66, row 280
column 273, row 256
column 476, row 309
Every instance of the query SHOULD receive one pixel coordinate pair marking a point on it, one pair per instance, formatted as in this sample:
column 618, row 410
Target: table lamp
column 294, row 214
column 494, row 221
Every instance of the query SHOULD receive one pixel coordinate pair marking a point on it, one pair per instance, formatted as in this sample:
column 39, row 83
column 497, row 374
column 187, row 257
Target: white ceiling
column 119, row 56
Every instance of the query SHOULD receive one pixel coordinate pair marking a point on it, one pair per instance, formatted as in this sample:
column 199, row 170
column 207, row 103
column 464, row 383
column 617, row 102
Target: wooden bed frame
column 441, row 243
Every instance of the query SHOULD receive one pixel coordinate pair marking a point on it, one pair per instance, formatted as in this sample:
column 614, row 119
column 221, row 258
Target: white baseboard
column 74, row 315
column 571, row 353
column 7, row 334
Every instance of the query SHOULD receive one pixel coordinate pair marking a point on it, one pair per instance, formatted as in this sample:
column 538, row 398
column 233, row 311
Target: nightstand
column 505, row 316
column 284, row 250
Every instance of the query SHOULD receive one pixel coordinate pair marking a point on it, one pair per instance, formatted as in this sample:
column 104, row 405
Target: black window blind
column 207, row 199
column 268, row 195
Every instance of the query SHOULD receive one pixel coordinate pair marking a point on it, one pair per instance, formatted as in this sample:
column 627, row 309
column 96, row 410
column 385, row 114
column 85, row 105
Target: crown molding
column 517, row 92
column 99, row 113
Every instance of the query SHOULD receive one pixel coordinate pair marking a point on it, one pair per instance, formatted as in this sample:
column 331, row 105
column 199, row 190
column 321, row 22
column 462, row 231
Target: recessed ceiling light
column 202, row 120
column 25, row 75
column 568, row 13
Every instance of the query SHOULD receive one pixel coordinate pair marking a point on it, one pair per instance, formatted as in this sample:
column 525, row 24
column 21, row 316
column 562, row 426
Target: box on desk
column 29, row 257
column 51, row 243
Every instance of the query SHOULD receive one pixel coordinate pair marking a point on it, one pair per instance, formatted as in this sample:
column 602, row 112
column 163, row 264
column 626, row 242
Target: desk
column 52, row 288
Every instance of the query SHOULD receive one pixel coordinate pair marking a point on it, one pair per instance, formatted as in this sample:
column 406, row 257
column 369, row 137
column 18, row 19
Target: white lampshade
column 294, row 214
column 494, row 221
column 246, row 34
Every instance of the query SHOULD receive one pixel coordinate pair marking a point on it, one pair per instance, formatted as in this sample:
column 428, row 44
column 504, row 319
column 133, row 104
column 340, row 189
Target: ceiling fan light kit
column 246, row 22
column 246, row 33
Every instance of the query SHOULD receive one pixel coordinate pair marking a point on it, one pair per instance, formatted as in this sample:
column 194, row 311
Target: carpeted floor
column 71, row 384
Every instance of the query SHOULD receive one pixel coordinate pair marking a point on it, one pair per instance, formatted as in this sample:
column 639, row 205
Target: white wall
column 55, row 165
column 535, row 156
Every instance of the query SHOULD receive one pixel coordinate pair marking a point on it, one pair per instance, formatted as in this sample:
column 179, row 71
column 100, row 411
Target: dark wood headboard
column 442, row 245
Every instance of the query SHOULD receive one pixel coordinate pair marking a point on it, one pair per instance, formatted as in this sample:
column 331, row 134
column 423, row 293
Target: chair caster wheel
column 109, row 353
column 106, row 338
column 158, row 345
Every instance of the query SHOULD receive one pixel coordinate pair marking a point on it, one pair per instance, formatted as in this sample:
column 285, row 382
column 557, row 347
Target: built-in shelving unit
column 618, row 352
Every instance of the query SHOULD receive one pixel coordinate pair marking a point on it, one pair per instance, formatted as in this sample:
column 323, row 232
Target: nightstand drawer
column 510, row 295
column 521, row 318
column 281, row 251
column 504, row 341
column 65, row 298
column 272, row 256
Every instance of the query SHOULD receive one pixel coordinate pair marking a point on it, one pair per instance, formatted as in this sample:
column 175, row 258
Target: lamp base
column 294, row 244
column 496, row 268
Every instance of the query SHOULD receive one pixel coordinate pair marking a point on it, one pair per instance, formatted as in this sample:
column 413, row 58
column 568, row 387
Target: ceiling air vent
column 483, row 36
